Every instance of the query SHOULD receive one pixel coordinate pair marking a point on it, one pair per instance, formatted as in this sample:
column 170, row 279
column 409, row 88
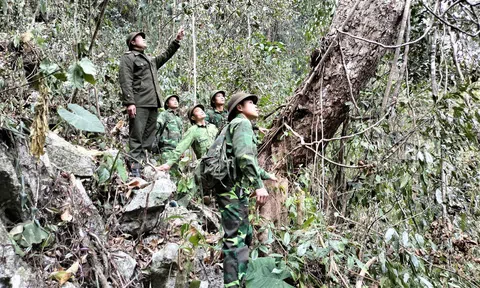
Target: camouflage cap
column 212, row 99
column 236, row 99
column 165, row 106
column 190, row 112
column 132, row 36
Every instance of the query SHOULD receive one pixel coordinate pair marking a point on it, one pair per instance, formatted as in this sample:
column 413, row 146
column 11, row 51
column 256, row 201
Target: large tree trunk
column 376, row 20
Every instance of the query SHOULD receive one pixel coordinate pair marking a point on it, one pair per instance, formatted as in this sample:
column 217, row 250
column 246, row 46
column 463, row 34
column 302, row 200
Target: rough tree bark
column 376, row 20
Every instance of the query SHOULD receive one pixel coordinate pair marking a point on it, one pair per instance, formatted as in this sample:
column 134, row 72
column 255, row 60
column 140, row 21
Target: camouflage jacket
column 138, row 76
column 199, row 137
column 217, row 118
column 244, row 142
column 169, row 130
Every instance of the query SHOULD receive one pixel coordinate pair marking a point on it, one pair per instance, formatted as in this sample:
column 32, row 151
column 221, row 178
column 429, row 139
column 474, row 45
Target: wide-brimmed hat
column 190, row 112
column 132, row 36
column 166, row 100
column 212, row 99
column 236, row 99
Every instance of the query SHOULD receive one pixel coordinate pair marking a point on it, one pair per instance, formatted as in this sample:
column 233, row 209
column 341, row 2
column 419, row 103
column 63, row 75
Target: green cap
column 212, row 99
column 236, row 99
column 166, row 100
column 190, row 112
column 132, row 36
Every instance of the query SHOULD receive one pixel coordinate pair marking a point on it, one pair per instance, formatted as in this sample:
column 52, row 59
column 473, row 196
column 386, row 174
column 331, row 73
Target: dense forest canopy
column 372, row 106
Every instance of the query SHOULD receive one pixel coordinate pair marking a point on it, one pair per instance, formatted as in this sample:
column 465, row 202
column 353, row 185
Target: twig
column 97, row 27
column 364, row 271
column 348, row 77
column 388, row 46
column 448, row 23
column 275, row 110
column 302, row 141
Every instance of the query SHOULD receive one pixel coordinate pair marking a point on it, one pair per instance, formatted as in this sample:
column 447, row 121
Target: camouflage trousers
column 237, row 236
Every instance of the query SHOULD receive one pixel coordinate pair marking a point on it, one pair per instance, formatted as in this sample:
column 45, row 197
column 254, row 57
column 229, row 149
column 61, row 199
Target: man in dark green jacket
column 218, row 114
column 141, row 92
column 169, row 126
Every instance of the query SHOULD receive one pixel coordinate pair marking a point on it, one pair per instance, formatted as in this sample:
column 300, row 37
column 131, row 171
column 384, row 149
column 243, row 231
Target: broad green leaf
column 81, row 119
column 47, row 68
column 264, row 272
column 32, row 234
column 75, row 75
column 87, row 67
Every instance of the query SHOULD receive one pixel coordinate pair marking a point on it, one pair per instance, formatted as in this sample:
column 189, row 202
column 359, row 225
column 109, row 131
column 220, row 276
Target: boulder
column 164, row 267
column 160, row 191
column 67, row 157
column 158, row 194
column 14, row 272
column 10, row 187
column 125, row 264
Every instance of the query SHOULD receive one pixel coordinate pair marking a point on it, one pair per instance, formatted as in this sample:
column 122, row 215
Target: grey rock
column 164, row 267
column 125, row 264
column 10, row 187
column 14, row 272
column 163, row 187
column 85, row 211
column 67, row 157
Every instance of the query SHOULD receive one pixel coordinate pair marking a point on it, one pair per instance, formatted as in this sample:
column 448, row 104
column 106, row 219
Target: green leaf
column 426, row 282
column 87, row 67
column 419, row 239
column 47, row 67
column 89, row 78
column 121, row 170
column 264, row 272
column 32, row 234
column 75, row 76
column 389, row 234
column 103, row 174
column 61, row 76
column 81, row 119
column 286, row 239
column 308, row 222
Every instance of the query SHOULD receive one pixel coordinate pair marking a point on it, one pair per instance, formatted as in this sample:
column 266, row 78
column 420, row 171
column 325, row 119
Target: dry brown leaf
column 74, row 268
column 137, row 183
column 66, row 216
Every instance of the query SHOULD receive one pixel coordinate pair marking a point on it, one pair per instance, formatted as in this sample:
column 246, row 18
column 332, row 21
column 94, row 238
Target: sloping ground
column 65, row 228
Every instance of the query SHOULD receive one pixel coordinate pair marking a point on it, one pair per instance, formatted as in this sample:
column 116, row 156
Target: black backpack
column 217, row 167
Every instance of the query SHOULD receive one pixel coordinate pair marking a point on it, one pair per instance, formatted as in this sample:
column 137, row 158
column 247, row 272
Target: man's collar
column 172, row 111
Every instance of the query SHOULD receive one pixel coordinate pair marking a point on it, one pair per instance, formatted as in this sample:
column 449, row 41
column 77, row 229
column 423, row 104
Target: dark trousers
column 142, row 132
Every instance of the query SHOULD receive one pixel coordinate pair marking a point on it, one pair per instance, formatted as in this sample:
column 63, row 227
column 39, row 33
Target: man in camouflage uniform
column 200, row 136
column 233, row 203
column 141, row 92
column 169, row 127
column 218, row 114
